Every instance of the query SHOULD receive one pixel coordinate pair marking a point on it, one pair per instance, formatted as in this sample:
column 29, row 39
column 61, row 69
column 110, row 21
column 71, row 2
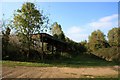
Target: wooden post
column 42, row 48
column 53, row 50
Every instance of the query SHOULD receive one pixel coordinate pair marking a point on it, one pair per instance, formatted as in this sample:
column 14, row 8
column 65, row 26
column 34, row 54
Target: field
column 79, row 67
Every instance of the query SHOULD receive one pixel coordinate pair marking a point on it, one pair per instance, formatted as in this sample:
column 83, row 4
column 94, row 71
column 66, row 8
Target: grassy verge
column 17, row 63
column 79, row 61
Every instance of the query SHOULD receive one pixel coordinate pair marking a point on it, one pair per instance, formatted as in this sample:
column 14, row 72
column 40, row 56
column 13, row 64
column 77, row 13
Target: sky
column 77, row 19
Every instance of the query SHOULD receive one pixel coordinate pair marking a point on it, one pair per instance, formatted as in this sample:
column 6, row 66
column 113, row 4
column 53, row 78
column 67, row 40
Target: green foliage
column 13, row 53
column 61, row 36
column 56, row 29
column 101, row 47
column 55, row 36
column 97, row 40
column 57, row 32
column 27, row 20
column 5, row 41
column 84, row 46
column 110, row 54
column 75, row 48
column 113, row 37
column 83, row 43
column 6, row 36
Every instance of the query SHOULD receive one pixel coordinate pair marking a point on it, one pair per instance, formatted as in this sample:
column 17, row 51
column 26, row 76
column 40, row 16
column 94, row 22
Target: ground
column 59, row 72
column 83, row 66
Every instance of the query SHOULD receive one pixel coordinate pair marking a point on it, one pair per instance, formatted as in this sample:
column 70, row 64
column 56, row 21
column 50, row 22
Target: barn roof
column 48, row 39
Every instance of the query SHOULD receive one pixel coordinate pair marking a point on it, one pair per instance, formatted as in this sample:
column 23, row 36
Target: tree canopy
column 113, row 37
column 97, row 40
column 57, row 31
column 28, row 21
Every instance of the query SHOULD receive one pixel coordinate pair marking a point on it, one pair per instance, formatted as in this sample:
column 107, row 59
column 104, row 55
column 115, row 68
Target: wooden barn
column 47, row 42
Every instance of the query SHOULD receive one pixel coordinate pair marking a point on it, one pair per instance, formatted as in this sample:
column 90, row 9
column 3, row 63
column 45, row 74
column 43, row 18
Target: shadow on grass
column 83, row 60
column 79, row 61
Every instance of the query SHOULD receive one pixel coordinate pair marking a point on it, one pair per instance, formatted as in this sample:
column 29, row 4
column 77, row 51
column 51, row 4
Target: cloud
column 74, row 30
column 100, row 25
column 76, row 33
column 105, row 22
column 80, row 33
column 108, row 18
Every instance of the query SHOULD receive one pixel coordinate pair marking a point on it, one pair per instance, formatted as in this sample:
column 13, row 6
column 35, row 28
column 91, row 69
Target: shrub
column 110, row 54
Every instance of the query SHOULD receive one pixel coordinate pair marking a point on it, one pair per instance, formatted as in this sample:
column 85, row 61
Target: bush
column 12, row 53
column 110, row 54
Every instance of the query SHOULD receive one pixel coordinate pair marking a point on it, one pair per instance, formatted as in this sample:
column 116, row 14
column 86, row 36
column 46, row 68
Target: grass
column 79, row 61
column 17, row 63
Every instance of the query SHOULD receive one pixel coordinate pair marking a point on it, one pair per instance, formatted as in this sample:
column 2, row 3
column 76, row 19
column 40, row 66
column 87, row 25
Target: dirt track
column 58, row 72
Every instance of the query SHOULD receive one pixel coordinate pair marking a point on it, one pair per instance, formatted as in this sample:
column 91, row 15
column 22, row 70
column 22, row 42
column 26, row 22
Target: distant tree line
column 107, row 49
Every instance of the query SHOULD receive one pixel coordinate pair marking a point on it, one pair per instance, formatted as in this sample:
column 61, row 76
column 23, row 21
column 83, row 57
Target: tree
column 61, row 36
column 56, row 29
column 55, row 36
column 6, row 35
column 84, row 46
column 5, row 41
column 27, row 21
column 113, row 37
column 57, row 32
column 84, row 43
column 97, row 40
